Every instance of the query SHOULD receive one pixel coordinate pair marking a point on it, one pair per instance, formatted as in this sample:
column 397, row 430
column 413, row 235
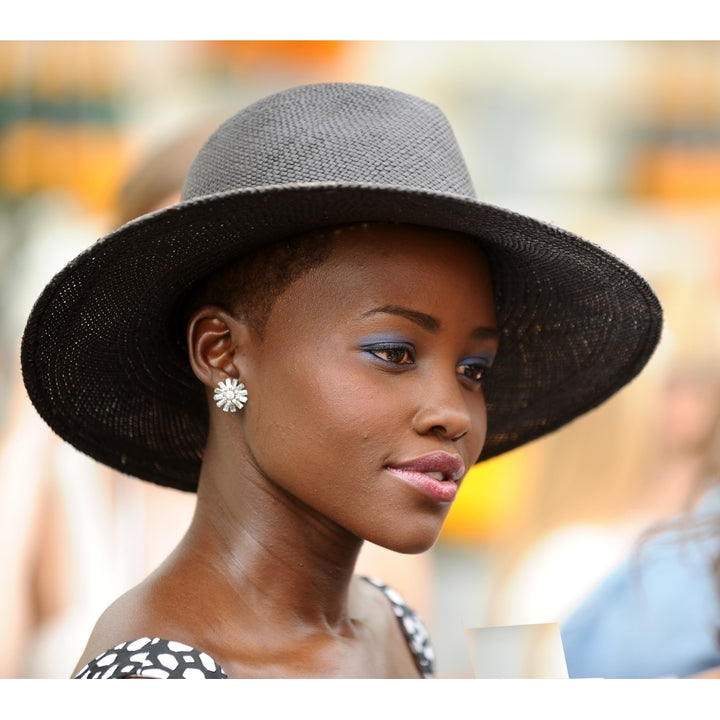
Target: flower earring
column 230, row 395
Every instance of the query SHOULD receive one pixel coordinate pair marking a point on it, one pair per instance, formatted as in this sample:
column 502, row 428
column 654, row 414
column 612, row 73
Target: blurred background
column 617, row 141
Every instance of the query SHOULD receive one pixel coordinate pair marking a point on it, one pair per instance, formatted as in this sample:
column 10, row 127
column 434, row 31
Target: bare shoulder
column 146, row 610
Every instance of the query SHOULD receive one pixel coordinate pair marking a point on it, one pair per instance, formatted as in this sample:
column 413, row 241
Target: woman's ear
column 215, row 342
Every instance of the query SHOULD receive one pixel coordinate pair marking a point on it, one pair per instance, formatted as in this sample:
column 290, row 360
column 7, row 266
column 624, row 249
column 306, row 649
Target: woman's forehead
column 427, row 270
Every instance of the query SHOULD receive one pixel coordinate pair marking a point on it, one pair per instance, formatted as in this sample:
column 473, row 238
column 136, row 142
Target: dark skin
column 367, row 362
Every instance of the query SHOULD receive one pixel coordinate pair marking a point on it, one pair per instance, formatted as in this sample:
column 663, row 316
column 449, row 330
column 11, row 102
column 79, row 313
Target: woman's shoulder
column 140, row 634
column 148, row 657
column 131, row 640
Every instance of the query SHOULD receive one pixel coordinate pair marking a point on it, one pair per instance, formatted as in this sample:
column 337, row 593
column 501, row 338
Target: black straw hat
column 105, row 370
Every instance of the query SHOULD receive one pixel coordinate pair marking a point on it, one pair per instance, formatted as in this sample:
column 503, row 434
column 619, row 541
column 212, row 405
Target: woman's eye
column 473, row 371
column 394, row 354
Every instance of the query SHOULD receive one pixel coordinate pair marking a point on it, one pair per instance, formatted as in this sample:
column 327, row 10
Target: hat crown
column 332, row 133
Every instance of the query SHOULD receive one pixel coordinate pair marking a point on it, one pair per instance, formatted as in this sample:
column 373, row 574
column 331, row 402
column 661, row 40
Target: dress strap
column 416, row 633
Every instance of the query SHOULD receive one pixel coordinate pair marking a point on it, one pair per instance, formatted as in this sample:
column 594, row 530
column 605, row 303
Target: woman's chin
column 410, row 543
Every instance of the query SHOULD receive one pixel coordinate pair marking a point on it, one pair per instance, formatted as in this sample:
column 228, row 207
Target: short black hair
column 249, row 287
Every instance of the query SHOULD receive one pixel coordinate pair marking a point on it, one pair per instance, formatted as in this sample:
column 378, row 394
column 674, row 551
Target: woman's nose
column 443, row 411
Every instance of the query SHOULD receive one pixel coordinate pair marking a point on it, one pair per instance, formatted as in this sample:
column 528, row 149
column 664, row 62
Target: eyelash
column 392, row 348
column 473, row 372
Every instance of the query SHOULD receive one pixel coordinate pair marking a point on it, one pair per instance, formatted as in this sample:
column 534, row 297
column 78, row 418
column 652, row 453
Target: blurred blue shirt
column 658, row 614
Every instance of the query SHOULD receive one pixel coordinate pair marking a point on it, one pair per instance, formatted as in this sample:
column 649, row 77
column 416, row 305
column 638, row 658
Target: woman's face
column 690, row 408
column 365, row 390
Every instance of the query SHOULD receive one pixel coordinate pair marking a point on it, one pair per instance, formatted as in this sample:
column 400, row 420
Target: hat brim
column 104, row 368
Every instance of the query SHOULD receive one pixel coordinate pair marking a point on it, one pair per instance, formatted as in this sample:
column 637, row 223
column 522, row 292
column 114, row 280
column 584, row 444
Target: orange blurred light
column 678, row 174
column 88, row 162
column 490, row 500
column 291, row 52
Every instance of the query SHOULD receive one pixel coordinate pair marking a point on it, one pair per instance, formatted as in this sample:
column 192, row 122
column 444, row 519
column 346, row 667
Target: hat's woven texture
column 103, row 365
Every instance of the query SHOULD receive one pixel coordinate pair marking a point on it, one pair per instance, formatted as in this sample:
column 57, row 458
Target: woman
column 319, row 340
column 657, row 613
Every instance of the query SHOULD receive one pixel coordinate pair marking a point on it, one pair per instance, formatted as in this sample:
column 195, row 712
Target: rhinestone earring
column 230, row 395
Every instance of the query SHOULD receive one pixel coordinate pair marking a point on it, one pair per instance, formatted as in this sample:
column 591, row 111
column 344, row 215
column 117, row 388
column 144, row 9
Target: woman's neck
column 280, row 558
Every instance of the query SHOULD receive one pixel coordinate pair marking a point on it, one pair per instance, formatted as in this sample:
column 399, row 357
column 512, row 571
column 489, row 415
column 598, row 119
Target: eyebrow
column 428, row 322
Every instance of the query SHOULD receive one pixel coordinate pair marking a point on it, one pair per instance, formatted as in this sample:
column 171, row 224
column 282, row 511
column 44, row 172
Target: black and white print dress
column 160, row 658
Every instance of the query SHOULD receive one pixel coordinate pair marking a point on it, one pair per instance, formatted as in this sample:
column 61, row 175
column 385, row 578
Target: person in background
column 74, row 533
column 658, row 613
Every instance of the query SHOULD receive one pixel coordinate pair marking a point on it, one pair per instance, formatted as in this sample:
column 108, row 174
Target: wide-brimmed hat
column 105, row 369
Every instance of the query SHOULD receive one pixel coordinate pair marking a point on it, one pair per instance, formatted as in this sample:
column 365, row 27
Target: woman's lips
column 436, row 475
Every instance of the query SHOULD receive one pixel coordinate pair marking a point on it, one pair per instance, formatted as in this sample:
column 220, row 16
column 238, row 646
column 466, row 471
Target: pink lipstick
column 436, row 475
